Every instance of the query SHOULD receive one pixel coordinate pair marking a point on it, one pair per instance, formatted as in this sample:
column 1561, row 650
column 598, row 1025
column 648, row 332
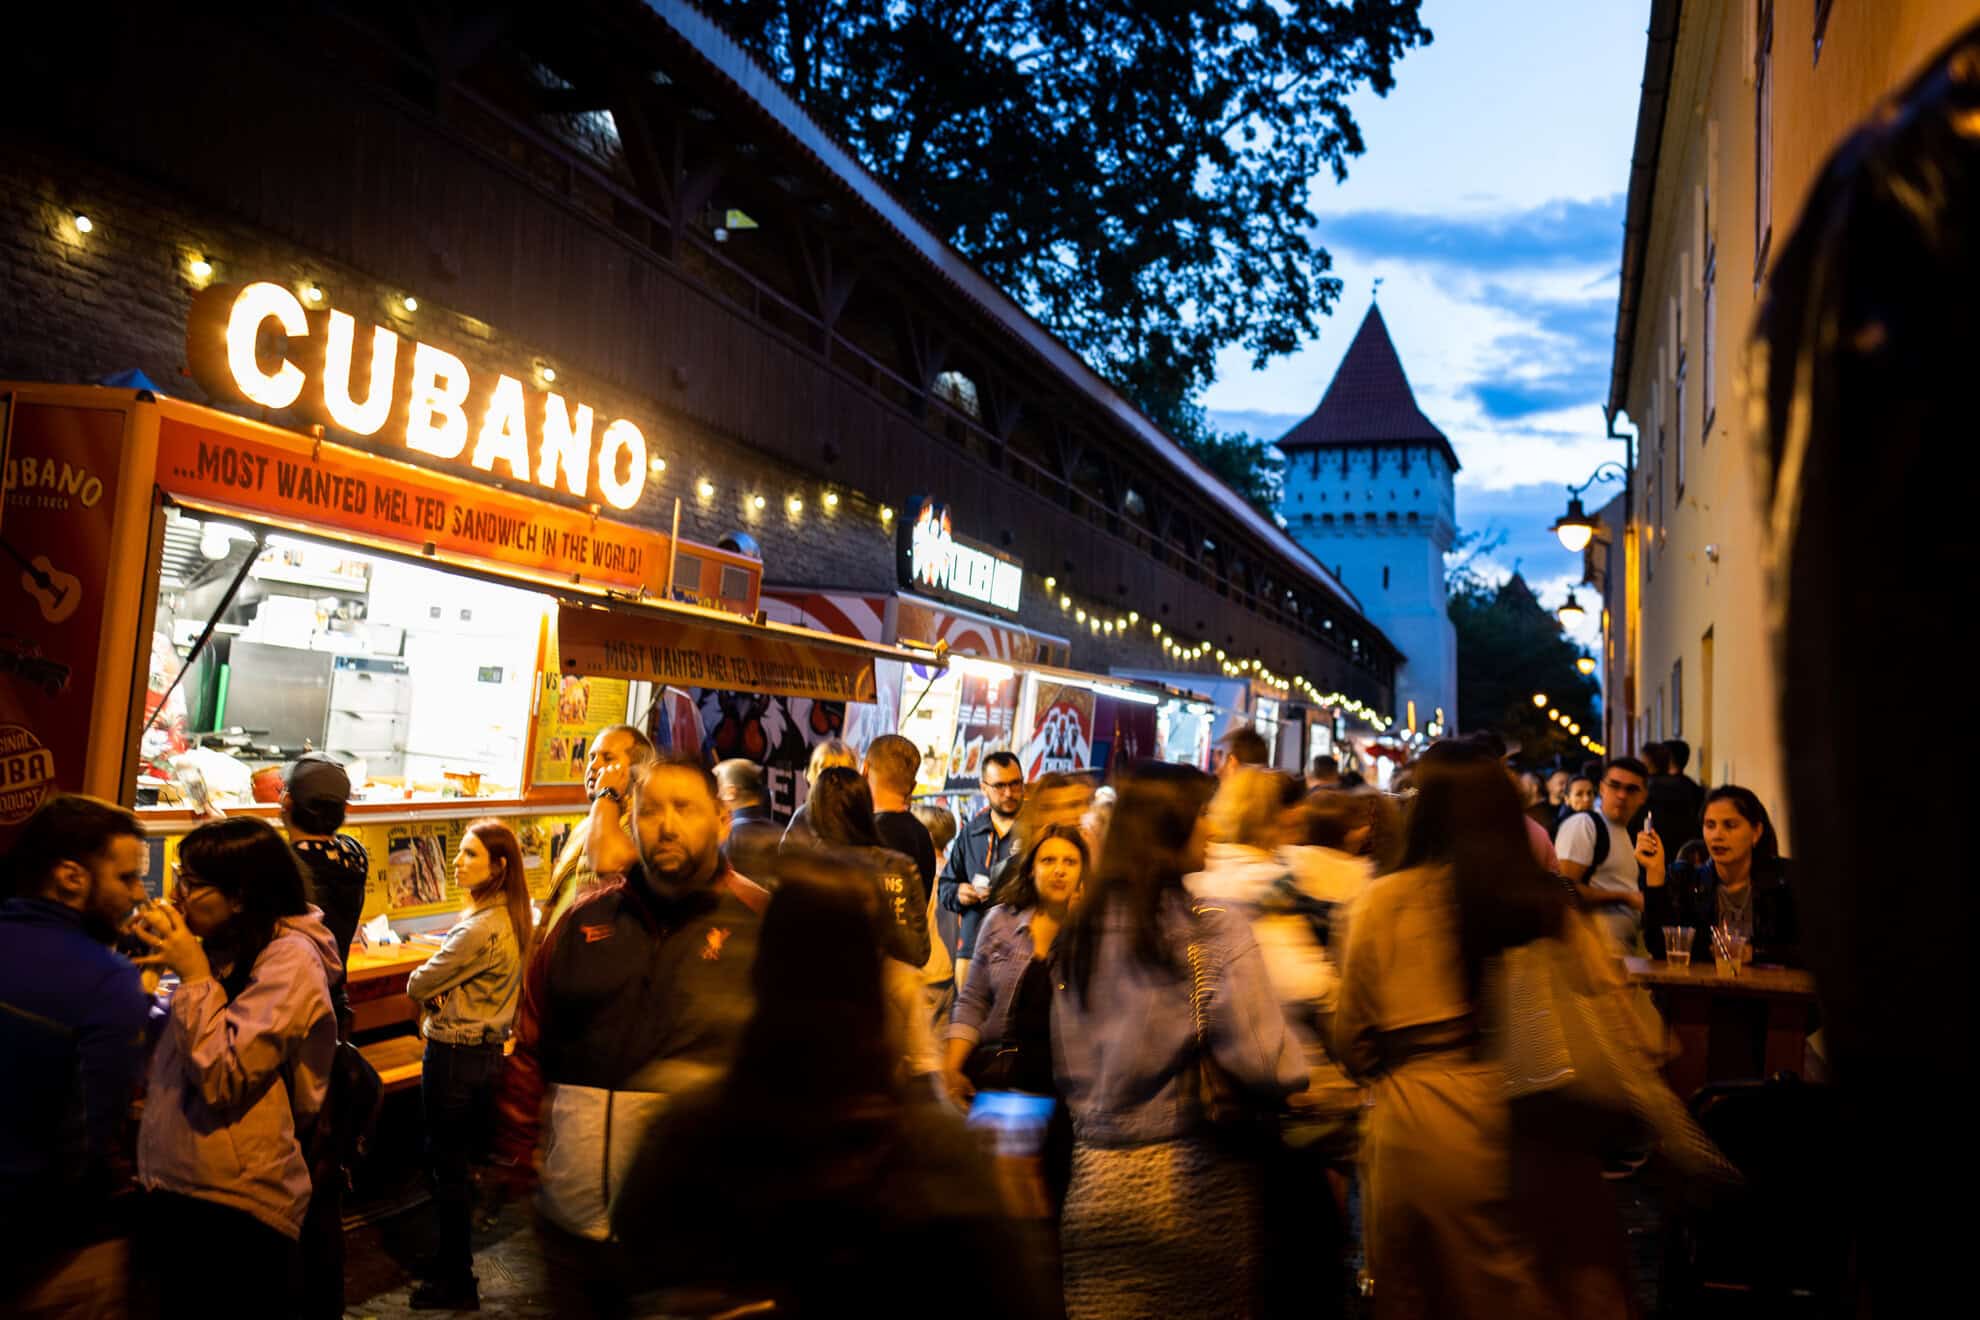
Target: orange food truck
column 193, row 598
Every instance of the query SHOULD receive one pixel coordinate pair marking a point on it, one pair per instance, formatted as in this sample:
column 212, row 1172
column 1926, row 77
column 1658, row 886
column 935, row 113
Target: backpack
column 338, row 1138
column 1601, row 839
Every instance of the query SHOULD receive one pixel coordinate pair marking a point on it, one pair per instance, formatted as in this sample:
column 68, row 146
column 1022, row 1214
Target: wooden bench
column 397, row 1059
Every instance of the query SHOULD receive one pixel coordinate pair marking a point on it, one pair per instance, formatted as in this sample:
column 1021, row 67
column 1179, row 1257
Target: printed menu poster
column 986, row 706
column 928, row 720
column 571, row 710
column 1062, row 739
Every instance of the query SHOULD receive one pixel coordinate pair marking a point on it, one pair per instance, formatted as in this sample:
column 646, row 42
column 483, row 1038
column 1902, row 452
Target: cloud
column 1552, row 235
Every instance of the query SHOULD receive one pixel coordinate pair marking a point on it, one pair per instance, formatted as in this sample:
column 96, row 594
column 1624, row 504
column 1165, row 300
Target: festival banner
column 686, row 652
column 1062, row 737
column 986, row 707
column 262, row 470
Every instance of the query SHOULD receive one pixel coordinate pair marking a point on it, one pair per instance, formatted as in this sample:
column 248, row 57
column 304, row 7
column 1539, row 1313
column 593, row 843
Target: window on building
column 1306, row 517
column 1677, row 419
column 1763, row 133
column 1327, row 519
column 1385, row 577
column 1709, row 345
column 1412, row 515
column 1393, row 517
column 1677, row 698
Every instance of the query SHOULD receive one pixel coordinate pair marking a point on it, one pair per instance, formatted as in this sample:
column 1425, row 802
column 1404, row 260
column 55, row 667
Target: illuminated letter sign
column 934, row 559
column 257, row 344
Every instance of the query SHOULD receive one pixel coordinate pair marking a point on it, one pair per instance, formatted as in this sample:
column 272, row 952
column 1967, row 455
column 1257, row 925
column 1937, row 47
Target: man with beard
column 639, row 993
column 72, row 1025
column 985, row 844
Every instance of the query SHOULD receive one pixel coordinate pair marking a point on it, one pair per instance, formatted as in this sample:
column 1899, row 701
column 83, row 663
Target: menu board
column 1061, row 739
column 986, row 706
column 571, row 710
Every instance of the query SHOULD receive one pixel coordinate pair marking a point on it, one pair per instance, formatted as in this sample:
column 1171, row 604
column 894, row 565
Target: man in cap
column 315, row 794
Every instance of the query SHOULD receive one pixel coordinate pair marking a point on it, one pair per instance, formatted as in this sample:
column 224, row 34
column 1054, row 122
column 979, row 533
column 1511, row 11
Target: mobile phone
column 1650, row 821
column 1017, row 1118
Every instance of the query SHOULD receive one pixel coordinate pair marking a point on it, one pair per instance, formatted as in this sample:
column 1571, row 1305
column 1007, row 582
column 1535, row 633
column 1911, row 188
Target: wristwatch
column 610, row 792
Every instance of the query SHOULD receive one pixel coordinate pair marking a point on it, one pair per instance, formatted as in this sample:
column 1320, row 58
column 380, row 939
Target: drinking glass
column 1677, row 945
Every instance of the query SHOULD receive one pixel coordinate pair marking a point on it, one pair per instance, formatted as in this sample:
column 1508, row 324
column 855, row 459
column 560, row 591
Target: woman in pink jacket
column 238, row 1073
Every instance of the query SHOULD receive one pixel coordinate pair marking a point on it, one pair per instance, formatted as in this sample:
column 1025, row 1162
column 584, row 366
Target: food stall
column 203, row 596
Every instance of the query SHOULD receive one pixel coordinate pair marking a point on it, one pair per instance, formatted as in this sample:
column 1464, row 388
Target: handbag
column 1580, row 1067
column 1230, row 1114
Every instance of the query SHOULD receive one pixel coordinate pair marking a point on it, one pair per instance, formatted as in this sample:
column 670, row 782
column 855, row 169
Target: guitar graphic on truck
column 57, row 593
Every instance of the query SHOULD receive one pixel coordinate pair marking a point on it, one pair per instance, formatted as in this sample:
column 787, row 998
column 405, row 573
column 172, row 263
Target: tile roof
column 1369, row 401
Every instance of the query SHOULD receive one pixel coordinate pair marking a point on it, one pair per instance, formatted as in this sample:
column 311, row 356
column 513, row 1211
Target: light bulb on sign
column 657, row 466
column 756, row 501
column 84, row 224
column 312, row 294
column 794, row 504
column 549, row 375
column 704, row 488
column 199, row 267
column 831, row 499
column 886, row 513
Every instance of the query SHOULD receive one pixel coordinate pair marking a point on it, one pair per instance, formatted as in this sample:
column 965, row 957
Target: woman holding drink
column 1742, row 891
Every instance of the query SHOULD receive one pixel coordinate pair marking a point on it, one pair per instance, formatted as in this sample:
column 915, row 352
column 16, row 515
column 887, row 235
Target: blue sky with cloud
column 1490, row 205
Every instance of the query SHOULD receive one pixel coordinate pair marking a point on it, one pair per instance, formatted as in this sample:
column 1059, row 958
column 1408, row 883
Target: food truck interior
column 422, row 681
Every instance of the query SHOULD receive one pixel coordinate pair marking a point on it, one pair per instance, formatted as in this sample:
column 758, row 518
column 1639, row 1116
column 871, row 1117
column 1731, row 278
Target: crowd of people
column 1161, row 1046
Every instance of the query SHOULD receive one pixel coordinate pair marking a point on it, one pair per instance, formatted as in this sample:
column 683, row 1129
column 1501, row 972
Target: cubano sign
column 257, row 343
column 933, row 558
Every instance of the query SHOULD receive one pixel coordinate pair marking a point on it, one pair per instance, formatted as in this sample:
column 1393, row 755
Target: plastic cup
column 1677, row 945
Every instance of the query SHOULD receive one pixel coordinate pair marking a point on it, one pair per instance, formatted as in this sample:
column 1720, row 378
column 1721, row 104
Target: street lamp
column 1540, row 699
column 1575, row 528
column 1571, row 612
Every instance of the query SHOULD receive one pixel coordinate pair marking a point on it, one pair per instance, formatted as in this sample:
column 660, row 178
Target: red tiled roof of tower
column 1369, row 401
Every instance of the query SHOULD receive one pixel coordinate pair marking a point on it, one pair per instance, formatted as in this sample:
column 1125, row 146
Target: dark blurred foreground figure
column 1864, row 365
column 239, row 1073
column 1455, row 1224
column 1162, row 1218
column 638, row 994
column 72, row 1019
column 809, row 1177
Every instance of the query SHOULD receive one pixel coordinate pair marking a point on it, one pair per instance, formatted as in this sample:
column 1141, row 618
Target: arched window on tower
column 1385, row 577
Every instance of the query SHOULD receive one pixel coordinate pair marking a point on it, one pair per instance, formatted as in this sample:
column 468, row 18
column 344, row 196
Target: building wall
column 1696, row 662
column 1382, row 519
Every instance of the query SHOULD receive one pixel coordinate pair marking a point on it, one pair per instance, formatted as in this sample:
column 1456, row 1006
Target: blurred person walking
column 1324, row 773
column 640, row 993
column 810, row 1180
column 608, row 767
column 72, row 1031
column 239, row 1073
column 467, row 994
column 1160, row 1218
column 938, row 974
column 1454, row 1223
column 842, row 819
column 1598, row 857
column 825, row 755
column 986, row 843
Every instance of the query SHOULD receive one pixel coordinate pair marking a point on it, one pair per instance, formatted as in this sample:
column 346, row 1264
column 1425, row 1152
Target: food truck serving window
column 423, row 682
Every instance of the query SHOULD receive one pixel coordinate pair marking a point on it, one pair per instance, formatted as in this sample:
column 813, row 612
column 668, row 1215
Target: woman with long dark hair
column 1453, row 1225
column 238, row 1075
column 813, row 1144
column 1743, row 887
column 467, row 993
column 1160, row 1219
column 841, row 820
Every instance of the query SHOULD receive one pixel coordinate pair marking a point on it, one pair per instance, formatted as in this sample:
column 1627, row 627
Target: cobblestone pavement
column 380, row 1256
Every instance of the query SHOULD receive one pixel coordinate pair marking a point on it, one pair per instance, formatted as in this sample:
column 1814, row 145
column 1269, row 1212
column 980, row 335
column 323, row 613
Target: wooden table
column 1730, row 1028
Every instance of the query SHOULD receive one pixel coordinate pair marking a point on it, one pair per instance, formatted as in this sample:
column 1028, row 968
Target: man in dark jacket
column 639, row 992
column 1675, row 801
column 986, row 843
column 753, row 836
column 72, row 1029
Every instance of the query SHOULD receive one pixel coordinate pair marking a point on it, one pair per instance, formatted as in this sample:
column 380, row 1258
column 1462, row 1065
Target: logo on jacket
column 717, row 937
column 593, row 934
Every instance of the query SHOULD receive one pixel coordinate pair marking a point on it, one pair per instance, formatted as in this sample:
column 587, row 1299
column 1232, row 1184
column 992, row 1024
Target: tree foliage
column 1508, row 648
column 1137, row 175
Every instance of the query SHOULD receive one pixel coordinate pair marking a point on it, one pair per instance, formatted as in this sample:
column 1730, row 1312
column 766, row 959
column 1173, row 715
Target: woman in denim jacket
column 1160, row 1220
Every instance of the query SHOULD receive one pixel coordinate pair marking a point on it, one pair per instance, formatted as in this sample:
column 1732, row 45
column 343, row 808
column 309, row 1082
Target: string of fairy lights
column 1109, row 622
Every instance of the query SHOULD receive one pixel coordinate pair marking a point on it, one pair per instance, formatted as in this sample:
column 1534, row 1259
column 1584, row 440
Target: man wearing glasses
column 989, row 839
column 1599, row 859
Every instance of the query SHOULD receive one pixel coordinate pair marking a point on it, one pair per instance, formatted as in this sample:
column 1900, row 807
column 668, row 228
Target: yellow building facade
column 1743, row 102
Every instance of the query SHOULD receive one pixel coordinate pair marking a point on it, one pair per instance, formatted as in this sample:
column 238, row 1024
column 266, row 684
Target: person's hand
column 968, row 895
column 616, row 778
column 1633, row 900
column 960, row 1088
column 172, row 943
column 1650, row 855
